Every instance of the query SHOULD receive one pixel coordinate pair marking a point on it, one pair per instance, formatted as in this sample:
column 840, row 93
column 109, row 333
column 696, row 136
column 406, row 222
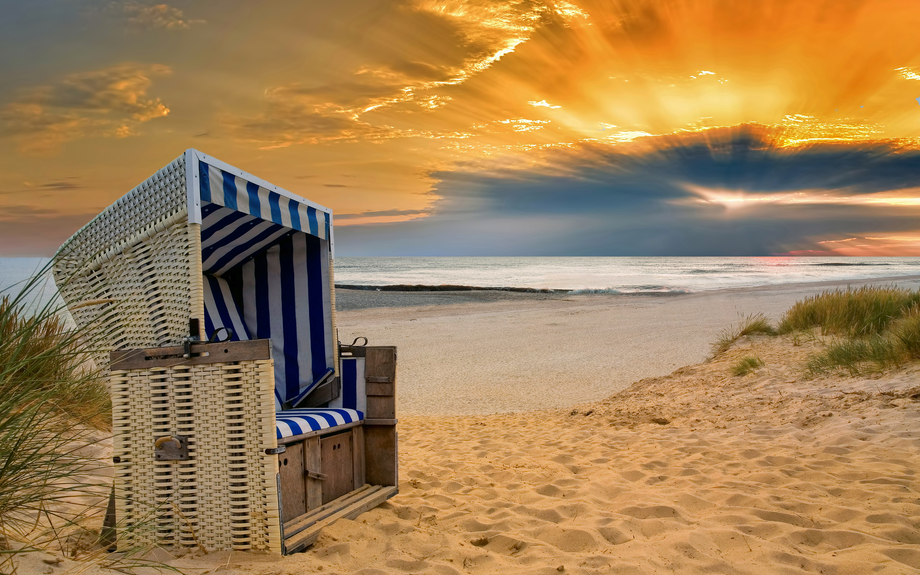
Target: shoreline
column 522, row 289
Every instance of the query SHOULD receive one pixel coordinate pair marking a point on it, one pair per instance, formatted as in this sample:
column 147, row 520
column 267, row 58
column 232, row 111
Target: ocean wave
column 446, row 287
column 853, row 264
column 622, row 290
column 633, row 290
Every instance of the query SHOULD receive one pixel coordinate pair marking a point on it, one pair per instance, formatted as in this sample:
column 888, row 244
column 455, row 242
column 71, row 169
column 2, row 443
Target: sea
column 612, row 275
column 583, row 275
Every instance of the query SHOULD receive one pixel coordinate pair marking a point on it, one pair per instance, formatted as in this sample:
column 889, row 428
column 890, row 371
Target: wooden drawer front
column 338, row 465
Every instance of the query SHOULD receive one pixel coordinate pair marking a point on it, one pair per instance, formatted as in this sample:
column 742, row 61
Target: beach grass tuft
column 53, row 405
column 852, row 312
column 906, row 332
column 875, row 327
column 856, row 355
column 752, row 324
column 746, row 365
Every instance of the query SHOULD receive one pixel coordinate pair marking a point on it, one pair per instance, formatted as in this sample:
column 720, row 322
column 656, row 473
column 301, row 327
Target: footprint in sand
column 655, row 511
column 614, row 535
column 788, row 518
column 826, row 540
column 548, row 515
column 568, row 540
column 549, row 490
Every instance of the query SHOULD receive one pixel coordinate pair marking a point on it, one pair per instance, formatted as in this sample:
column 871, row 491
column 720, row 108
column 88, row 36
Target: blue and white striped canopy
column 231, row 191
column 265, row 259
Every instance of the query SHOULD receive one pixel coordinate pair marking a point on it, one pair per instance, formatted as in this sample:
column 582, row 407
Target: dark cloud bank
column 636, row 200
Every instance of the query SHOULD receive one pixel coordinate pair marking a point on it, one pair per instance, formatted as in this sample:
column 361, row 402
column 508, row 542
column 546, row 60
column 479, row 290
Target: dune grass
column 858, row 312
column 746, row 365
column 870, row 328
column 52, row 405
column 751, row 324
column 877, row 327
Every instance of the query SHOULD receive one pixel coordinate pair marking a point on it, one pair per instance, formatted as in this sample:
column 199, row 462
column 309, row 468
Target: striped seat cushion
column 299, row 421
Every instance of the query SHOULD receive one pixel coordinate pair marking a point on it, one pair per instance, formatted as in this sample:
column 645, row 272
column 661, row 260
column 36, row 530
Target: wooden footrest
column 303, row 531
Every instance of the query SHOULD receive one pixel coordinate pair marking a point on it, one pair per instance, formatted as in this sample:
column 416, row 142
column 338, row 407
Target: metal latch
column 171, row 448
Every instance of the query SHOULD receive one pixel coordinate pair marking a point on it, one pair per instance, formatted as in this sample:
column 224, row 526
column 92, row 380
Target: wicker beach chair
column 271, row 430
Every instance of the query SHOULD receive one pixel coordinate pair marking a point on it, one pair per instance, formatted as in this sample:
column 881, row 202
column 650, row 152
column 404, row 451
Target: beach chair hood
column 246, row 256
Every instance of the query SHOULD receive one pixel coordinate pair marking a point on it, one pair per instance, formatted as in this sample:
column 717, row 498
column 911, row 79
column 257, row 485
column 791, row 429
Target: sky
column 481, row 127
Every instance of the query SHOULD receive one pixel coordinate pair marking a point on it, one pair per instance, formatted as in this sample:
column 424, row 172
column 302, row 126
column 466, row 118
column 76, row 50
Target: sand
column 693, row 471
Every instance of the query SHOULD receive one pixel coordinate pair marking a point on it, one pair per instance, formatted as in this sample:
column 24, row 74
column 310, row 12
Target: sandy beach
column 485, row 352
column 583, row 434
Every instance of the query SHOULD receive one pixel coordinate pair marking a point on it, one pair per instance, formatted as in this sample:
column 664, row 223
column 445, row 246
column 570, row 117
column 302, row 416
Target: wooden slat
column 380, row 422
column 381, row 407
column 295, row 526
column 381, row 389
column 338, row 465
column 380, row 362
column 380, row 463
column 307, row 537
column 357, row 435
column 293, row 493
column 380, row 367
column 257, row 349
column 312, row 461
column 301, row 437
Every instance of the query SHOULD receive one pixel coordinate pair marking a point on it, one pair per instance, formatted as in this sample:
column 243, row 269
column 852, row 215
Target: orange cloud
column 156, row 16
column 904, row 245
column 489, row 31
column 105, row 103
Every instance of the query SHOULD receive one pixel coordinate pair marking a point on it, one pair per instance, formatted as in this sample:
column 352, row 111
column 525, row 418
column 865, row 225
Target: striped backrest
column 286, row 297
column 220, row 309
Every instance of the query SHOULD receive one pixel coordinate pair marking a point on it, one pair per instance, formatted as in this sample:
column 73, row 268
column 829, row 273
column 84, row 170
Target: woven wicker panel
column 144, row 294
column 135, row 260
column 155, row 200
column 225, row 495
